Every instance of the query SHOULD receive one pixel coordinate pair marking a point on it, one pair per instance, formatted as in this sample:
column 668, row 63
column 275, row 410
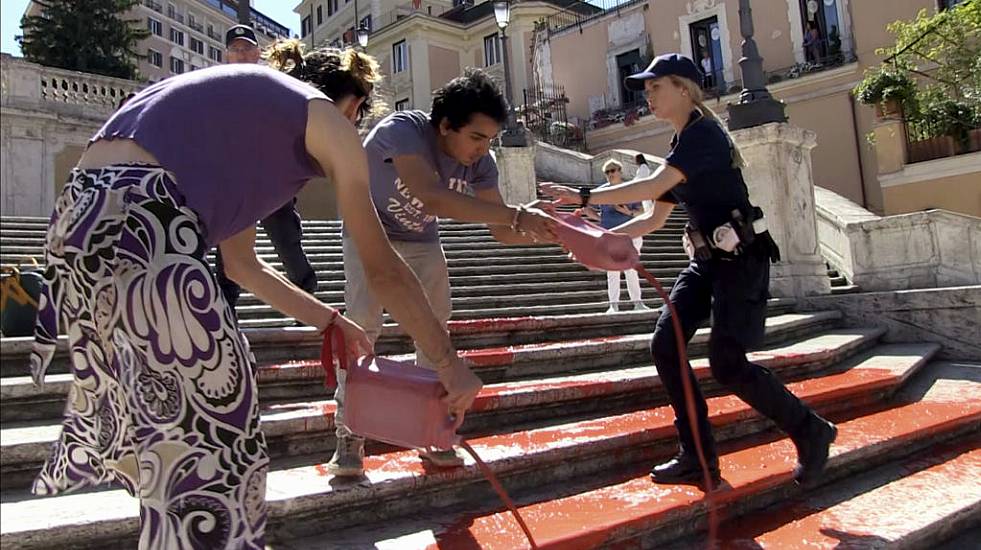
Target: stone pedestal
column 778, row 174
column 516, row 166
column 890, row 145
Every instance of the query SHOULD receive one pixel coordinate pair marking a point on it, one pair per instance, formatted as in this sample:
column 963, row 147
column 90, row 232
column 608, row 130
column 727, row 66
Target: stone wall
column 948, row 316
column 565, row 166
column 935, row 248
column 48, row 116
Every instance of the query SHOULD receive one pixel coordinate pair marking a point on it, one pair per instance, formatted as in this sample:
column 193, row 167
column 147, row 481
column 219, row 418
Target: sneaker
column 640, row 306
column 685, row 468
column 442, row 458
column 813, row 444
column 614, row 308
column 348, row 459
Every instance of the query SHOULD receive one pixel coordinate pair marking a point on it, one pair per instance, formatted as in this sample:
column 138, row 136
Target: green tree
column 944, row 49
column 92, row 36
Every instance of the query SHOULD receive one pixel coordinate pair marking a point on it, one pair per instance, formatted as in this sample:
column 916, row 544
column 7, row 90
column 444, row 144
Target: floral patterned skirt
column 164, row 398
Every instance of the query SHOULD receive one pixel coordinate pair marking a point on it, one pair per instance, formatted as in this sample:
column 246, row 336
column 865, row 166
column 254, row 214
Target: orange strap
column 11, row 289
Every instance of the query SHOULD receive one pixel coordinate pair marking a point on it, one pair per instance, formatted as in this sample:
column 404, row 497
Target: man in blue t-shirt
column 423, row 166
column 615, row 215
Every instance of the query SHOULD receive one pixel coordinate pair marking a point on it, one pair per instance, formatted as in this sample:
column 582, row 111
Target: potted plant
column 888, row 90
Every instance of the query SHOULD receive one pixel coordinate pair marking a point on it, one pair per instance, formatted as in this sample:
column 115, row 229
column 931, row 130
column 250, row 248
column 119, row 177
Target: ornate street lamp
column 363, row 36
column 512, row 136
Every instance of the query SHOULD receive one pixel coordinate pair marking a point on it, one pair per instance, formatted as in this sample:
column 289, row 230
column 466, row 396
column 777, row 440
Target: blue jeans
column 286, row 233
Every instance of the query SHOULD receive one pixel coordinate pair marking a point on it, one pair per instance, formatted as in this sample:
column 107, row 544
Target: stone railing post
column 516, row 166
column 780, row 181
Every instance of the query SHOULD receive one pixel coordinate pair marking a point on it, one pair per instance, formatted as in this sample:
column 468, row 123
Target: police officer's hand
column 562, row 194
column 538, row 224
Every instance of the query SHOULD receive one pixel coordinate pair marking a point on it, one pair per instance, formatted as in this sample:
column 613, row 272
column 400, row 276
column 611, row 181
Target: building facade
column 188, row 34
column 814, row 51
column 422, row 44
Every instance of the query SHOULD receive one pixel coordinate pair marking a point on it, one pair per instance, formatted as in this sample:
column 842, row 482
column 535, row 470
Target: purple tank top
column 233, row 136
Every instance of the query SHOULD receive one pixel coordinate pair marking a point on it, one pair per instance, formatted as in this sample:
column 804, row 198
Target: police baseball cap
column 244, row 32
column 664, row 65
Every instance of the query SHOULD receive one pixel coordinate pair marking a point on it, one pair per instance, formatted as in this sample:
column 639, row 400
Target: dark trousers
column 734, row 292
column 286, row 233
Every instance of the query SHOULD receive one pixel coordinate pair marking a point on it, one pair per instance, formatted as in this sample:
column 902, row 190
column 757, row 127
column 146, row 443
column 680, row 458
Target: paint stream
column 713, row 513
column 489, row 474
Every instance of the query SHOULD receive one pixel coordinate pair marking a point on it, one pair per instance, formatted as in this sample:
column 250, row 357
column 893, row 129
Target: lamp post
column 363, row 37
column 512, row 136
column 756, row 106
column 361, row 32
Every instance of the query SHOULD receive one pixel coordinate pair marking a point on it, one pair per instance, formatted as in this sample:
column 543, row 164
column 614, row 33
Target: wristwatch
column 584, row 194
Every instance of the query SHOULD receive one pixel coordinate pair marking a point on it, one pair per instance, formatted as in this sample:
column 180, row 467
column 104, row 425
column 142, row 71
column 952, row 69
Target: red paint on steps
column 803, row 524
column 639, row 427
column 502, row 356
column 590, row 519
column 491, row 324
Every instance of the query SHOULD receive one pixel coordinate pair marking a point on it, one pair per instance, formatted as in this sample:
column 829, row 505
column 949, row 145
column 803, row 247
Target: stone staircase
column 572, row 417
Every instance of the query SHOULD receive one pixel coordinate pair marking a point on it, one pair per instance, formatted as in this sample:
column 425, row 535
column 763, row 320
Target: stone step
column 929, row 496
column 539, row 295
column 301, row 343
column 635, row 513
column 321, row 236
column 303, row 501
column 300, row 427
column 300, row 380
column 313, row 247
column 650, row 257
column 295, row 428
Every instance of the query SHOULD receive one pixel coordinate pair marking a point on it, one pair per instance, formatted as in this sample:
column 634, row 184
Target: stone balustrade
column 27, row 85
column 934, row 248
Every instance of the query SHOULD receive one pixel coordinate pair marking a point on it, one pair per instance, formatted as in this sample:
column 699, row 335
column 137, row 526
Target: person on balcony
column 727, row 278
column 615, row 215
column 283, row 226
column 165, row 396
column 709, row 74
column 424, row 165
column 812, row 43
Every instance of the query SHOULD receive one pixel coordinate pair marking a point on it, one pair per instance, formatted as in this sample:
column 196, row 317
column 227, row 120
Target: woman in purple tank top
column 164, row 398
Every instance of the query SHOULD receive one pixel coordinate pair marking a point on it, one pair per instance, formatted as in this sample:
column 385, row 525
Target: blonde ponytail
column 285, row 55
column 695, row 92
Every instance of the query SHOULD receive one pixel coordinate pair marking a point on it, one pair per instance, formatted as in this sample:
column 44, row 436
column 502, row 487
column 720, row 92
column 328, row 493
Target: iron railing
column 544, row 115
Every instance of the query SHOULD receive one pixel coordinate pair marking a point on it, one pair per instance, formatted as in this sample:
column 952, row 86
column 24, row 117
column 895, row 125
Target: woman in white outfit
column 613, row 215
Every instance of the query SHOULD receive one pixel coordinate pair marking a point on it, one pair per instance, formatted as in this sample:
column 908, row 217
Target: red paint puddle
column 586, row 520
column 493, row 323
column 803, row 520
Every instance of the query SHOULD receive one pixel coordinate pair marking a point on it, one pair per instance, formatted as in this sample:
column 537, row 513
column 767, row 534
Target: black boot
column 685, row 468
column 813, row 441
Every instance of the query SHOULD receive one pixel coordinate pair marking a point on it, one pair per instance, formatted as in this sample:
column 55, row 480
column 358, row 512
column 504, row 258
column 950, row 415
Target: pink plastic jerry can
column 595, row 247
column 398, row 403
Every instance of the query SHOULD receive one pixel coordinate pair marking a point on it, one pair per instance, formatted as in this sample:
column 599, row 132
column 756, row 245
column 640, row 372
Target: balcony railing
column 811, row 66
column 155, row 6
column 578, row 14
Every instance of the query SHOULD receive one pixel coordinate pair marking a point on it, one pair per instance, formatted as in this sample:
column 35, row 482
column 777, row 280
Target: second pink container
column 595, row 247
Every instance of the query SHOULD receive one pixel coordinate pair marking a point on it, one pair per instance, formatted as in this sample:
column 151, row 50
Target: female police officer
column 728, row 276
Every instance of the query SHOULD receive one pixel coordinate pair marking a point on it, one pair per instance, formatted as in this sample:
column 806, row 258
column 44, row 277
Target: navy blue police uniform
column 731, row 288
